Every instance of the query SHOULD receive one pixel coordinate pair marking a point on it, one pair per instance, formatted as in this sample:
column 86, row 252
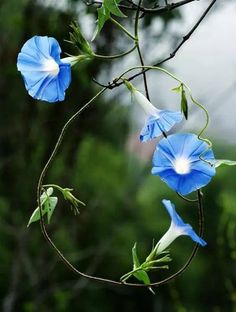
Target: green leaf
column 51, row 205
column 177, row 89
column 48, row 206
column 112, row 6
column 103, row 16
column 142, row 276
column 224, row 162
column 36, row 216
column 46, row 194
column 136, row 262
column 184, row 103
column 104, row 12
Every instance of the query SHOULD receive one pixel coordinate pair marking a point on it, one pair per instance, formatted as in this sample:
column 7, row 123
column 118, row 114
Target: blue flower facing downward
column 177, row 161
column 45, row 75
column 161, row 122
column 176, row 229
column 158, row 121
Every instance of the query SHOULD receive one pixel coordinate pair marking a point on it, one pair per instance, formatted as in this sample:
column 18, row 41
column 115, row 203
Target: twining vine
column 185, row 161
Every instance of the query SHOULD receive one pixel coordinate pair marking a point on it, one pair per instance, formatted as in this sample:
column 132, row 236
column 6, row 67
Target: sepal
column 79, row 41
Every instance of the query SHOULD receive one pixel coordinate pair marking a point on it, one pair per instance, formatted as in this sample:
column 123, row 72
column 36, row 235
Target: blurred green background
column 123, row 199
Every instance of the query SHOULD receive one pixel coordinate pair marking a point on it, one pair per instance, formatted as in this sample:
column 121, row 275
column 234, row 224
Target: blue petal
column 168, row 147
column 178, row 222
column 161, row 161
column 47, row 47
column 190, row 147
column 51, row 89
column 157, row 125
column 175, row 182
column 39, row 83
column 151, row 130
column 28, row 63
column 191, row 233
column 169, row 119
column 163, row 155
column 202, row 166
column 36, row 88
column 54, row 49
column 191, row 182
column 183, row 184
column 175, row 218
column 38, row 49
column 64, row 76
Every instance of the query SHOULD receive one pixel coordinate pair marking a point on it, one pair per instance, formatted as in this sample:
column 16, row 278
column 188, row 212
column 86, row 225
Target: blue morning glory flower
column 158, row 121
column 176, row 160
column 45, row 75
column 176, row 229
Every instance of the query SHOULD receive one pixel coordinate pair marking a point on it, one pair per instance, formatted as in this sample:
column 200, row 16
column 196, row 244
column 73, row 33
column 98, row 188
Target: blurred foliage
column 123, row 199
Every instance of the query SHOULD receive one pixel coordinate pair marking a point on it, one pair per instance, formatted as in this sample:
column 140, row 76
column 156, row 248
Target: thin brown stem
column 160, row 9
column 167, row 7
column 113, row 282
column 139, row 50
column 58, row 144
column 141, row 57
column 115, row 84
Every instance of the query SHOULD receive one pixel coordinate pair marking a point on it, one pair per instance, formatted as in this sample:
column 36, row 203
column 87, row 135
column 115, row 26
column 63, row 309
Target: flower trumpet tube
column 176, row 229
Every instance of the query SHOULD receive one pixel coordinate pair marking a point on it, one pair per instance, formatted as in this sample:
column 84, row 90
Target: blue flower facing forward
column 176, row 229
column 177, row 161
column 158, row 121
column 45, row 75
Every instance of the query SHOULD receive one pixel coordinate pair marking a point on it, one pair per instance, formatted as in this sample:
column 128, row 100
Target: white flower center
column 51, row 66
column 182, row 165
